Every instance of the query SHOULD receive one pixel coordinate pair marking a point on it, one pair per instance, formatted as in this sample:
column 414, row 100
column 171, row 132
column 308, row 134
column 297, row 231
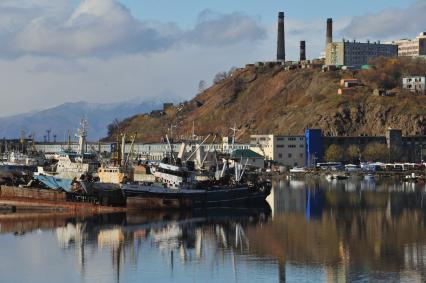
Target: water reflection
column 355, row 230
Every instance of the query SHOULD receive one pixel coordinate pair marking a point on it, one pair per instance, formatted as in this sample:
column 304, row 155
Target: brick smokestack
column 302, row 50
column 329, row 38
column 281, row 38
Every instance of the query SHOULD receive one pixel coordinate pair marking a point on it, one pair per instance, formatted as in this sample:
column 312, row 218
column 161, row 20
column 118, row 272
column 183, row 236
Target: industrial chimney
column 329, row 38
column 281, row 38
column 302, row 50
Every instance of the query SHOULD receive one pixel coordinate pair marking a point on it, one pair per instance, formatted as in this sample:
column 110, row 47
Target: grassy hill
column 269, row 99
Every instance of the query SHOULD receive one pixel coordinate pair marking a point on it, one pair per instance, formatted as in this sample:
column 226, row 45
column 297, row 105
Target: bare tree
column 219, row 77
column 202, row 86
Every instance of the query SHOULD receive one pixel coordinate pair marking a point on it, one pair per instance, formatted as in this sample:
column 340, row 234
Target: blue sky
column 103, row 51
column 185, row 12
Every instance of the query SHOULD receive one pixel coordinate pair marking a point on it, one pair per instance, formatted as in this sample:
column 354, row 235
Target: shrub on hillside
column 387, row 73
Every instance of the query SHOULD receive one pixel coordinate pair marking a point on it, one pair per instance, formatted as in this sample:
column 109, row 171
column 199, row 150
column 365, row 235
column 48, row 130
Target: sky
column 57, row 51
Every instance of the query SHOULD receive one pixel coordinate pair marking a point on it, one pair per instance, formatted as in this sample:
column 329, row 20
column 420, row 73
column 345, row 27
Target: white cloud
column 105, row 28
column 56, row 51
column 389, row 23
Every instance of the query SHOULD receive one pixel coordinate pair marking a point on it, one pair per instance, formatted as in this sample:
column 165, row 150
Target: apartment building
column 411, row 47
column 346, row 53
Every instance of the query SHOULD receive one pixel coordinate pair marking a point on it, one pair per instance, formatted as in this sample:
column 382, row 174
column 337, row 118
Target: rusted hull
column 225, row 198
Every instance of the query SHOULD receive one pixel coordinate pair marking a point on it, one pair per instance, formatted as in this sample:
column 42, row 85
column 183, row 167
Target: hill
column 67, row 116
column 269, row 99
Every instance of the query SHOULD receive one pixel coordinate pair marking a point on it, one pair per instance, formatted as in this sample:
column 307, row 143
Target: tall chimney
column 302, row 50
column 281, row 38
column 329, row 38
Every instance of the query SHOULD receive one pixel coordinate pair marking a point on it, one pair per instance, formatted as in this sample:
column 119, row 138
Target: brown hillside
column 272, row 100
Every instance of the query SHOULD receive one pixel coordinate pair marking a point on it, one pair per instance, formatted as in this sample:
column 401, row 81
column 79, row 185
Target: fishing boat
column 70, row 166
column 20, row 162
column 176, row 187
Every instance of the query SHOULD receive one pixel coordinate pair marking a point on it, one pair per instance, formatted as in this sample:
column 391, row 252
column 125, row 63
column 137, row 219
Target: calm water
column 314, row 231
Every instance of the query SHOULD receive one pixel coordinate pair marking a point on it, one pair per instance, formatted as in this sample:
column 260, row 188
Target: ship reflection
column 187, row 238
column 312, row 231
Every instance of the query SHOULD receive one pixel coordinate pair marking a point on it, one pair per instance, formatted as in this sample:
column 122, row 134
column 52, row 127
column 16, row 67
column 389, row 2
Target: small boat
column 369, row 176
column 411, row 178
column 329, row 177
column 340, row 177
column 298, row 170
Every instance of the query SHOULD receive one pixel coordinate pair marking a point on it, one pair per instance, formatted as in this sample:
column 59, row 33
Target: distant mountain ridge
column 67, row 116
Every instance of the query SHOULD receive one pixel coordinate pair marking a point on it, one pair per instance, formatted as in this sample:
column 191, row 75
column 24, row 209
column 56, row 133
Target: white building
column 412, row 47
column 151, row 151
column 415, row 84
column 228, row 145
column 285, row 150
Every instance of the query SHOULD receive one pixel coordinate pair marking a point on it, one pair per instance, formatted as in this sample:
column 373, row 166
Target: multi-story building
column 411, row 47
column 354, row 53
column 415, row 84
column 285, row 150
column 410, row 148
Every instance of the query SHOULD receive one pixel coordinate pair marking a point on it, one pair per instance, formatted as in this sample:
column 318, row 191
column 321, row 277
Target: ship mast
column 82, row 136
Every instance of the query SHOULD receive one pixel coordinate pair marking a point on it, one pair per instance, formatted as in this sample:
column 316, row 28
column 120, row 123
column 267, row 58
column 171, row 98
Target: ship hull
column 160, row 198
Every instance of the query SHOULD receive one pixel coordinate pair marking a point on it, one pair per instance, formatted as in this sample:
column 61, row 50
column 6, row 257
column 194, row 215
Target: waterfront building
column 229, row 145
column 147, row 151
column 285, row 150
column 415, row 84
column 346, row 53
column 411, row 148
column 411, row 47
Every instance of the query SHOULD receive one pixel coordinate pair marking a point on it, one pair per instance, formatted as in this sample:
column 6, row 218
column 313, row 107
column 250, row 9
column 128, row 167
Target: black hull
column 220, row 198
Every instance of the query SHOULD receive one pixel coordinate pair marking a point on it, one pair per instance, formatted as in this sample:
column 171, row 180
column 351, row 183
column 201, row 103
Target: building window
column 289, row 155
column 280, row 155
column 280, row 146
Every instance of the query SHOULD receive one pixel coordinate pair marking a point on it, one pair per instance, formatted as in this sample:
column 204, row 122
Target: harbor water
column 312, row 230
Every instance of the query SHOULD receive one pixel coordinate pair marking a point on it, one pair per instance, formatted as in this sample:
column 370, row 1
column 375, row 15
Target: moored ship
column 177, row 188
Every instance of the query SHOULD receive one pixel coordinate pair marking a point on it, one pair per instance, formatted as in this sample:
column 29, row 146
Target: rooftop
column 245, row 153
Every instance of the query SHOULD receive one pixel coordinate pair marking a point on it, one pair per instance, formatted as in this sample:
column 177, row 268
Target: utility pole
column 48, row 135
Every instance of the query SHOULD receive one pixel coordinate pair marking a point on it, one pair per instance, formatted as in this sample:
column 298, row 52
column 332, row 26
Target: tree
column 219, row 77
column 202, row 86
column 231, row 71
column 334, row 153
column 352, row 153
column 375, row 152
column 113, row 127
